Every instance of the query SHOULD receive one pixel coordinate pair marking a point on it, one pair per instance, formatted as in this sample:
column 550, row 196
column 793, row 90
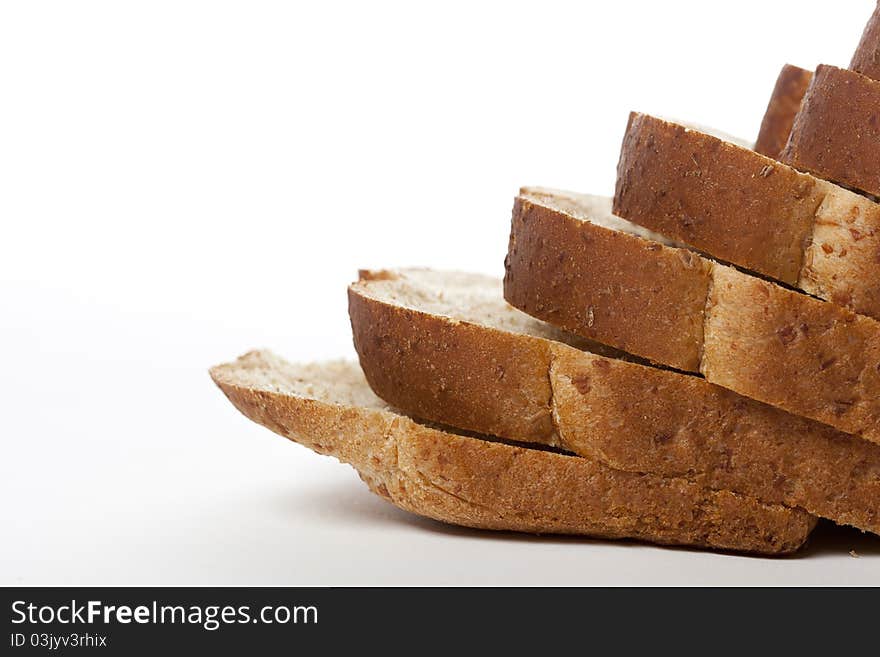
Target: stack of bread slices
column 695, row 361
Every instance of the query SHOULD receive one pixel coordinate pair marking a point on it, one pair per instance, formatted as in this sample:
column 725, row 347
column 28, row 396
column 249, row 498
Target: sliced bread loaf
column 466, row 481
column 791, row 85
column 675, row 308
column 446, row 347
column 836, row 134
column 747, row 209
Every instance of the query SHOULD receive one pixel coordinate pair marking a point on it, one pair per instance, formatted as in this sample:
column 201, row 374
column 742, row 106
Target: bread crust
column 483, row 379
column 866, row 59
column 795, row 352
column 744, row 208
column 788, row 92
column 642, row 419
column 629, row 416
column 606, row 285
column 752, row 339
column 836, row 135
column 721, row 198
column 475, row 483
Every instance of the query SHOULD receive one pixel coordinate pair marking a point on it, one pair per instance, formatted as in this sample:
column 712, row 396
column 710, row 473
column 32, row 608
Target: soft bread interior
column 334, row 382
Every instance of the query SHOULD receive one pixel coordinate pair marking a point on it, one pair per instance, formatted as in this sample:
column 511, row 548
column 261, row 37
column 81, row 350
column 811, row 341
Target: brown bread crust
column 836, row 135
column 722, row 199
column 642, row 419
column 476, row 483
column 751, row 339
column 747, row 209
column 607, row 286
column 629, row 416
column 795, row 352
column 866, row 59
column 791, row 85
column 483, row 379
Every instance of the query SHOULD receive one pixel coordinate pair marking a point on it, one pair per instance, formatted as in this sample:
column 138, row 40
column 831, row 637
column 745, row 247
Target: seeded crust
column 759, row 339
column 791, row 85
column 837, row 132
column 488, row 485
column 866, row 59
column 427, row 349
column 747, row 209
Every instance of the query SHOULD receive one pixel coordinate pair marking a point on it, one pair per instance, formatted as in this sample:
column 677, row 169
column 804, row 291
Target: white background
column 182, row 181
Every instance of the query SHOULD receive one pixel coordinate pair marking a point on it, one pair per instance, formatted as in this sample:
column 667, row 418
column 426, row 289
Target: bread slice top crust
column 476, row 483
column 638, row 295
column 721, row 198
column 433, row 364
column 468, row 359
column 866, row 59
column 747, row 209
column 670, row 306
column 788, row 93
column 836, row 134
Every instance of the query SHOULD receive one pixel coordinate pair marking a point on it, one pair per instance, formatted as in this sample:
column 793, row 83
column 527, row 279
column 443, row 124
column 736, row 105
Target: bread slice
column 489, row 485
column 752, row 211
column 866, row 59
column 484, row 370
column 445, row 347
column 836, row 134
column 675, row 308
column 791, row 85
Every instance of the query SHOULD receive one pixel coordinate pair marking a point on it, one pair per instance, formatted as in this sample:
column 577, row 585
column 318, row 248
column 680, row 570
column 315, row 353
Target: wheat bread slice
column 446, row 347
column 764, row 341
column 788, row 92
column 866, row 59
column 749, row 210
column 471, row 482
column 836, row 134
column 483, row 369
